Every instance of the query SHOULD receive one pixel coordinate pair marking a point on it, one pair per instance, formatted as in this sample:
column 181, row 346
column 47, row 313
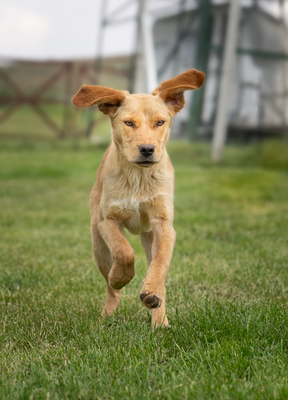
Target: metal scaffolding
column 188, row 30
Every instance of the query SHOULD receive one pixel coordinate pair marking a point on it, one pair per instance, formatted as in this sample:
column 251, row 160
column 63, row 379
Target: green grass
column 226, row 288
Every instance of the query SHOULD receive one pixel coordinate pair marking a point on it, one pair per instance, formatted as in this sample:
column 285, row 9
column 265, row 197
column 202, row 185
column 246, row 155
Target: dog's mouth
column 145, row 163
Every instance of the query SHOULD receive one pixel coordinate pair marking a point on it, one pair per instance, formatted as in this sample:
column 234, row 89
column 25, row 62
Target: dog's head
column 141, row 122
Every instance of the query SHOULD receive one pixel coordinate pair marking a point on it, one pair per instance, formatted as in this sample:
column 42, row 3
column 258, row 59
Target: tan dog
column 134, row 187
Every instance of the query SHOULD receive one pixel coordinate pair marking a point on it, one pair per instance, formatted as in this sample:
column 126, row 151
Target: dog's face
column 141, row 128
column 141, row 122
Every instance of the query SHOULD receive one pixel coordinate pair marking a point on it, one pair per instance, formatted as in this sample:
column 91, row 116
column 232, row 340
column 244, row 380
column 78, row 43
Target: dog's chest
column 131, row 212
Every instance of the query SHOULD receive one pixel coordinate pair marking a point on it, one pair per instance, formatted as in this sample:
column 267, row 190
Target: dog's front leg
column 153, row 293
column 122, row 270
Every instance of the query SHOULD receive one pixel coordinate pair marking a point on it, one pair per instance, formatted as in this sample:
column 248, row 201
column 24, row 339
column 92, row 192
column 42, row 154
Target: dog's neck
column 135, row 178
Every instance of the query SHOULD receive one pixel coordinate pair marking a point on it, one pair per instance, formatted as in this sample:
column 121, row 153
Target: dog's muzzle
column 146, row 155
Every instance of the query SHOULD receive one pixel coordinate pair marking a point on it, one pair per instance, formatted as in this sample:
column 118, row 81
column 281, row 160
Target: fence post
column 220, row 128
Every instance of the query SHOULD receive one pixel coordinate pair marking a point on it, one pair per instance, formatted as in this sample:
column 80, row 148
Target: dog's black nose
column 146, row 149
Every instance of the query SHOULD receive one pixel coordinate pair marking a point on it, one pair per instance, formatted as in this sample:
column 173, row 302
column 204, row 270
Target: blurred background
column 49, row 49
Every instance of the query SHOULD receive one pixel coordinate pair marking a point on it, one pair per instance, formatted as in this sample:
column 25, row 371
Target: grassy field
column 226, row 288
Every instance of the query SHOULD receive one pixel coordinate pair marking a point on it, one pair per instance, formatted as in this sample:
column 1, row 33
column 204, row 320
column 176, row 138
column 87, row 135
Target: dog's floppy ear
column 107, row 99
column 172, row 91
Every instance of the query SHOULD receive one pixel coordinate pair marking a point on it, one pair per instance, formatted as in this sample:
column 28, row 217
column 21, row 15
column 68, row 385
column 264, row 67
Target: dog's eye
column 128, row 123
column 160, row 122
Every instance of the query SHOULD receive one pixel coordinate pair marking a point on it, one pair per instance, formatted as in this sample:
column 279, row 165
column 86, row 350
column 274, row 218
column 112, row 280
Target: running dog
column 134, row 187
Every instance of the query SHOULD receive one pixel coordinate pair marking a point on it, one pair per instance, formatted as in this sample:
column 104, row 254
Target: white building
column 259, row 90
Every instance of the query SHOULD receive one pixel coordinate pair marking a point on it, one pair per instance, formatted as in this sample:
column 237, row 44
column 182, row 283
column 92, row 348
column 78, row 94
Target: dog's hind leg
column 112, row 300
column 147, row 241
column 158, row 315
column 104, row 262
column 122, row 270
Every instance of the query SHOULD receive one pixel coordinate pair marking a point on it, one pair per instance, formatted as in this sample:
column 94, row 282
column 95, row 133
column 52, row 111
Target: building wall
column 259, row 91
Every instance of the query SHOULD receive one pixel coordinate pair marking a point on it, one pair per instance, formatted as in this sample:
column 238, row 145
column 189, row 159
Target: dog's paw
column 120, row 277
column 151, row 300
column 117, row 285
column 117, row 282
column 160, row 326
